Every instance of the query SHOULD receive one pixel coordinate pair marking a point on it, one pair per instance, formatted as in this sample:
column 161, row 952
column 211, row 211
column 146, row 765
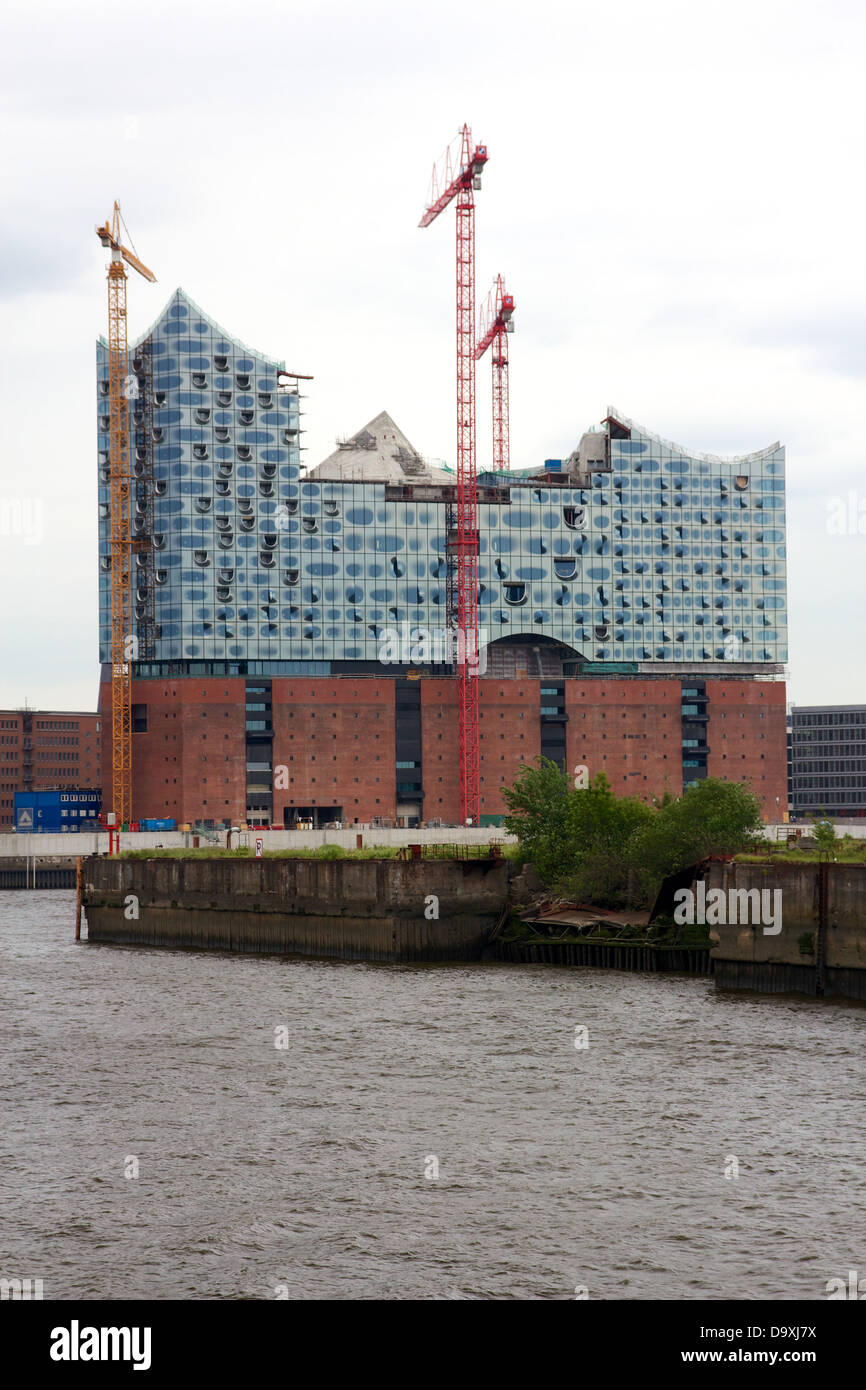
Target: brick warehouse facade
column 42, row 749
column 329, row 749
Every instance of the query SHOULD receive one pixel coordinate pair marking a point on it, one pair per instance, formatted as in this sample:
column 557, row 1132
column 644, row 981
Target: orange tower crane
column 495, row 322
column 120, row 492
column 456, row 180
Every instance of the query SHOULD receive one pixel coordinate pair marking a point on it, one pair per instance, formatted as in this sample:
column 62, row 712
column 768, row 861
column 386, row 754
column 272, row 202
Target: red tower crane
column 456, row 179
column 495, row 322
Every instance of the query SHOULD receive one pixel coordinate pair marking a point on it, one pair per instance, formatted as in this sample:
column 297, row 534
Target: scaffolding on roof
column 758, row 454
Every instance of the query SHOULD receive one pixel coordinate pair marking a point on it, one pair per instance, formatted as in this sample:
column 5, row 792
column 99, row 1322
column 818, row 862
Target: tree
column 539, row 812
column 596, row 847
column 711, row 817
column 824, row 835
column 577, row 840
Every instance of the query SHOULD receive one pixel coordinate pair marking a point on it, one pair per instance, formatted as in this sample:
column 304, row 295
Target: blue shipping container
column 57, row 811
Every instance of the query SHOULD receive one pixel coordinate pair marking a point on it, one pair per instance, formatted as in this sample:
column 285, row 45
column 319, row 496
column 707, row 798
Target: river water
column 307, row 1169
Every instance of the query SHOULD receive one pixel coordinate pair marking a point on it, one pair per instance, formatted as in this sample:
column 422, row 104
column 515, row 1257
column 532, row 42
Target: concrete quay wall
column 821, row 947
column 351, row 909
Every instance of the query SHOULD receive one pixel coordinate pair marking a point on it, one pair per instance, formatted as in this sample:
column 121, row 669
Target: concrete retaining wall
column 353, row 909
column 818, row 950
column 83, row 844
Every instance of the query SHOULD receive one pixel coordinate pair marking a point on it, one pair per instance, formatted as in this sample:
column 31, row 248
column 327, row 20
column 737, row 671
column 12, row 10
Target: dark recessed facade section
column 827, row 761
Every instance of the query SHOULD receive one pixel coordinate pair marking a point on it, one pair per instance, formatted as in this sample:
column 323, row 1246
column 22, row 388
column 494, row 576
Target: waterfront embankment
column 456, row 909
column 820, row 946
column 350, row 909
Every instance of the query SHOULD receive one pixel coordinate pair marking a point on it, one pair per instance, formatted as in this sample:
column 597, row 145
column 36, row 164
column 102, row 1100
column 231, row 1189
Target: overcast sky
column 674, row 194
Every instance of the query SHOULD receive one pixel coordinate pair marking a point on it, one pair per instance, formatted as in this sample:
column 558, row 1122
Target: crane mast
column 458, row 181
column 120, row 492
column 495, row 323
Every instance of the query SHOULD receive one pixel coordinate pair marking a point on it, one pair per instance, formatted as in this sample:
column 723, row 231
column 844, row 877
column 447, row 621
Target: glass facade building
column 214, row 444
column 633, row 553
column 294, row 661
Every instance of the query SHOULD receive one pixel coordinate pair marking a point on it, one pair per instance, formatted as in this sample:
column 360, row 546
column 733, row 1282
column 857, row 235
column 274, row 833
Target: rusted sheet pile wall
column 53, row 872
column 606, row 955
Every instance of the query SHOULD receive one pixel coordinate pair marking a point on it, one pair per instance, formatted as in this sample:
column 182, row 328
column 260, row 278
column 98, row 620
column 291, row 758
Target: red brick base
column 333, row 739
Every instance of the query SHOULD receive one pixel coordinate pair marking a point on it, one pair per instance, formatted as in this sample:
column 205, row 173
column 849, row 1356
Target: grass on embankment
column 323, row 852
column 843, row 852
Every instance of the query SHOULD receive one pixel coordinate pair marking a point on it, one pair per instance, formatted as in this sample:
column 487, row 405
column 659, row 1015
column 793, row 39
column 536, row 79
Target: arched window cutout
column 220, row 362
column 224, row 398
column 245, row 452
column 201, row 557
column 221, row 434
column 242, row 381
column 247, row 417
column 515, row 594
column 565, row 568
column 574, row 517
column 199, row 381
column 203, row 504
column 266, row 559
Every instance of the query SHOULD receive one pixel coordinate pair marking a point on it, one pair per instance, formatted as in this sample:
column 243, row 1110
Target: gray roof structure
column 379, row 453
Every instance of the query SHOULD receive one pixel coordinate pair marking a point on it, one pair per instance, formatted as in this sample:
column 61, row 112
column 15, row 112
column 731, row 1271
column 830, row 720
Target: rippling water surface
column 304, row 1166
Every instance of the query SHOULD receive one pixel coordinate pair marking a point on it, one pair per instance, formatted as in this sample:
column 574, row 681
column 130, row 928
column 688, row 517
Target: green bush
column 595, row 847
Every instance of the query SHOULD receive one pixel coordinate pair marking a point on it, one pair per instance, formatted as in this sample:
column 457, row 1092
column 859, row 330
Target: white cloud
column 673, row 194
